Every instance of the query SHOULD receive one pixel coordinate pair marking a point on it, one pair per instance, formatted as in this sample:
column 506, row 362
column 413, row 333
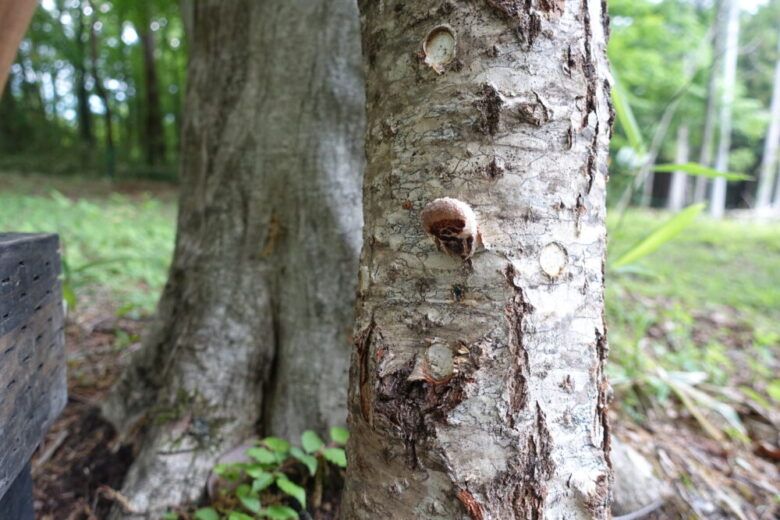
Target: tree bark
column 677, row 187
column 252, row 333
column 731, row 48
column 477, row 387
column 769, row 160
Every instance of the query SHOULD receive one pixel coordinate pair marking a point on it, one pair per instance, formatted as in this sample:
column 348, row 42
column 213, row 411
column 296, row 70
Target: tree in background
column 769, row 159
column 53, row 95
column 477, row 386
column 252, row 332
column 728, row 85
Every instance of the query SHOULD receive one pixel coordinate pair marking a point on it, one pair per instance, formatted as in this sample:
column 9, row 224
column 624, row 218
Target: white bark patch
column 439, row 48
column 553, row 259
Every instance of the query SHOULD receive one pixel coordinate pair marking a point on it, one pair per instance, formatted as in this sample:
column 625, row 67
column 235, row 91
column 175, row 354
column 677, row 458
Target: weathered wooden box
column 32, row 359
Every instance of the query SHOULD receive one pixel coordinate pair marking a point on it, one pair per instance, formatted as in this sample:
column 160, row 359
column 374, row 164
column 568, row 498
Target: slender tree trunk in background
column 103, row 95
column 769, row 160
column 187, row 8
column 30, row 84
column 708, row 133
column 254, row 323
column 477, row 388
column 154, row 138
column 83, row 113
column 719, row 185
column 677, row 187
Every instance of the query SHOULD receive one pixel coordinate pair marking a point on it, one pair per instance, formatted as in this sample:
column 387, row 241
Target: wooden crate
column 32, row 359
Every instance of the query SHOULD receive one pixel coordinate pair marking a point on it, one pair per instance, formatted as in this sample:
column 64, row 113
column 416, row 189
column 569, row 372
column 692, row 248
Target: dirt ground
column 80, row 465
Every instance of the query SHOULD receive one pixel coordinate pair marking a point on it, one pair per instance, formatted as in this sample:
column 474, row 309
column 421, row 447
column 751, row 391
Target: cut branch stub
column 453, row 225
column 553, row 259
column 438, row 48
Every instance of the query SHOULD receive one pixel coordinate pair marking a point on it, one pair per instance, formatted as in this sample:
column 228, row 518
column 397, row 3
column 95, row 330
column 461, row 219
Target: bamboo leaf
column 660, row 236
column 701, row 171
column 625, row 116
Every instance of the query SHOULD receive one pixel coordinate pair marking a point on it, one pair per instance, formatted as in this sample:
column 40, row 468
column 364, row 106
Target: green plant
column 274, row 478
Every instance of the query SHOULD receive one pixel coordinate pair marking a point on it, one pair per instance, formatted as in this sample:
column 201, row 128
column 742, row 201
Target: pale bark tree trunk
column 708, row 133
column 677, row 187
column 731, row 48
column 253, row 327
column 477, row 387
column 769, row 159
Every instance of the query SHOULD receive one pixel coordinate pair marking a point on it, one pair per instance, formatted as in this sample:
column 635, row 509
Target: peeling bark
column 252, row 332
column 509, row 114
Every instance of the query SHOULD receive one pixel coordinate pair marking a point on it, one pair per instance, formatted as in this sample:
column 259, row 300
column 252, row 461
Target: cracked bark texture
column 477, row 388
column 253, row 326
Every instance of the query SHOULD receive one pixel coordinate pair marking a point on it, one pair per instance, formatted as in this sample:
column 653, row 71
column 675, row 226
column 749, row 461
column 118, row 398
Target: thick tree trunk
column 769, row 159
column 731, row 48
column 477, row 386
column 253, row 327
column 154, row 139
column 677, row 187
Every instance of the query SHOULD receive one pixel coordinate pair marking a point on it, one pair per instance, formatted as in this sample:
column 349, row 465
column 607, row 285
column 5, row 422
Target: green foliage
column 55, row 130
column 270, row 484
column 660, row 236
column 699, row 170
column 119, row 245
column 697, row 320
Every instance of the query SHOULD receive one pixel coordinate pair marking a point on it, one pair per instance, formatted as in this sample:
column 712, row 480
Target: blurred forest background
column 89, row 148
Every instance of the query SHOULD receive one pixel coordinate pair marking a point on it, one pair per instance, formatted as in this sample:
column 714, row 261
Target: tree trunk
column 252, row 333
column 103, row 95
column 769, row 159
column 477, row 385
column 676, row 199
column 154, row 138
column 705, row 153
column 82, row 97
column 719, row 184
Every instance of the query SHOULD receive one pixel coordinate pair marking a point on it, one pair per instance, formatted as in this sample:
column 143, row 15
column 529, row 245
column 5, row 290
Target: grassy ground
column 706, row 306
column 115, row 244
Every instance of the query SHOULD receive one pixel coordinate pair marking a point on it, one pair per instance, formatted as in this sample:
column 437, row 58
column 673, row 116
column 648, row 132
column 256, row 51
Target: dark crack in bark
column 415, row 407
column 517, row 380
column 489, row 107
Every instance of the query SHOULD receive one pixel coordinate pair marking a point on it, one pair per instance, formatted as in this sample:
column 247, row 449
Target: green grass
column 705, row 307
column 114, row 246
column 712, row 263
